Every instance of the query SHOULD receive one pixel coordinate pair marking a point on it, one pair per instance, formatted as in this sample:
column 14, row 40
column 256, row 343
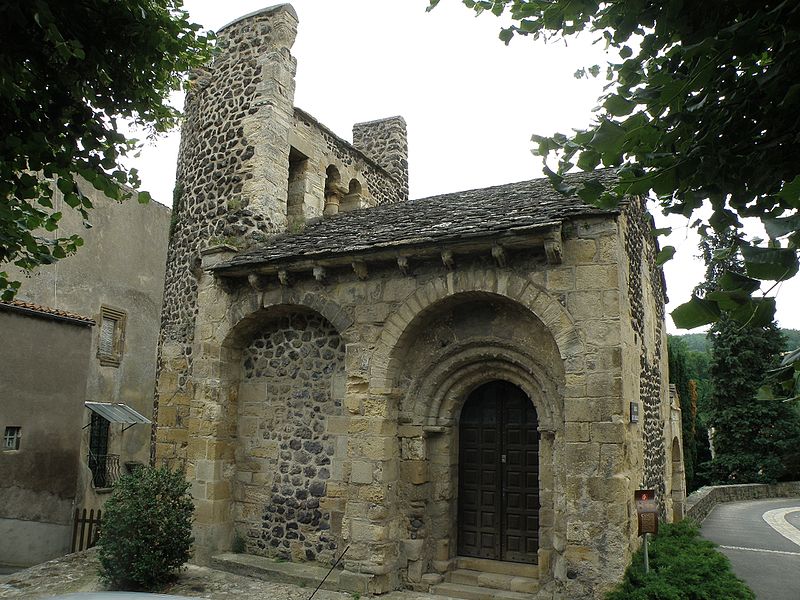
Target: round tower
column 230, row 187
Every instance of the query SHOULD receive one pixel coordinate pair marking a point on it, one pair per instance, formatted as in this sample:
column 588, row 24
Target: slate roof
column 46, row 311
column 514, row 207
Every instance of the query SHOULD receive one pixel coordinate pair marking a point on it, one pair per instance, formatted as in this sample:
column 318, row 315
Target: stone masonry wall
column 292, row 382
column 700, row 502
column 391, row 429
column 646, row 296
column 323, row 147
column 231, row 180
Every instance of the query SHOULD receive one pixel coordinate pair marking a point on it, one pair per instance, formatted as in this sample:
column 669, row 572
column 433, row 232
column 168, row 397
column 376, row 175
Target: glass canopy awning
column 117, row 413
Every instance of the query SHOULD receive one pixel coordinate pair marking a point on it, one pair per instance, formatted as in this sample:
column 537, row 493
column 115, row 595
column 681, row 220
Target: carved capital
column 447, row 260
column 360, row 269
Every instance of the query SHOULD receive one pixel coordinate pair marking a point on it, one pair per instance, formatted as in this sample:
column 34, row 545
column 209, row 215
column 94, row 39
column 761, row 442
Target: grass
column 683, row 566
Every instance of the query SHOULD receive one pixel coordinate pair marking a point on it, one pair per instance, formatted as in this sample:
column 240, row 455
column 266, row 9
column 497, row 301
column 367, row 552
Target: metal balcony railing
column 104, row 468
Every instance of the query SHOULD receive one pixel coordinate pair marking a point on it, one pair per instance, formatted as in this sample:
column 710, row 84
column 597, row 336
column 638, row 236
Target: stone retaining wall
column 700, row 502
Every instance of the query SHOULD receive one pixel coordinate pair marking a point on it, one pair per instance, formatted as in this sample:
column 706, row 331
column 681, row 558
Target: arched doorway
column 498, row 489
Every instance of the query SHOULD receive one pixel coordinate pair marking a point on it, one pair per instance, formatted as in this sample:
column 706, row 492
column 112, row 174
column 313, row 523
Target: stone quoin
column 443, row 385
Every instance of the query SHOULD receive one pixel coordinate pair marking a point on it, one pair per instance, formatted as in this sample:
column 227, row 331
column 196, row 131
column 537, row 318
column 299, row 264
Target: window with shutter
column 112, row 335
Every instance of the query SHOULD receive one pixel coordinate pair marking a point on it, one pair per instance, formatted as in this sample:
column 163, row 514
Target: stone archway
column 452, row 348
column 235, row 461
column 292, row 384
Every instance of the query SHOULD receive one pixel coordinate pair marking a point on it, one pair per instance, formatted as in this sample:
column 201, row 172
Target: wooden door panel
column 498, row 516
column 520, row 443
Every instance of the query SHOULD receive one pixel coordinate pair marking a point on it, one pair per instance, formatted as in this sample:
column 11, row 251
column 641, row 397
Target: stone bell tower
column 233, row 166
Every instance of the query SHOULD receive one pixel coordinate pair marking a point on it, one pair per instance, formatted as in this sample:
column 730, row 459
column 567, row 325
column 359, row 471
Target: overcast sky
column 470, row 102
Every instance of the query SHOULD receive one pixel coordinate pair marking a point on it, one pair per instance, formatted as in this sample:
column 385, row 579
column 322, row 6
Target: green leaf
column 590, row 191
column 790, row 193
column 731, row 281
column 666, row 253
column 588, row 160
column 758, row 312
column 65, row 185
column 729, row 301
column 773, row 264
column 608, row 138
column 779, row 227
column 765, row 393
column 695, row 313
column 144, row 197
column 618, row 106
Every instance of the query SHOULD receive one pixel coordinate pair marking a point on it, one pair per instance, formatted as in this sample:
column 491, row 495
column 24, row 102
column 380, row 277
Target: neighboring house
column 458, row 388
column 44, row 368
column 116, row 280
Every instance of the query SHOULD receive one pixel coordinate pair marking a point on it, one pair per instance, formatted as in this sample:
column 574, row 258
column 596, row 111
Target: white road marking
column 761, row 550
column 777, row 520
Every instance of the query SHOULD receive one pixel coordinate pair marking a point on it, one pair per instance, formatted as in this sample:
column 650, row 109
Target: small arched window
column 353, row 199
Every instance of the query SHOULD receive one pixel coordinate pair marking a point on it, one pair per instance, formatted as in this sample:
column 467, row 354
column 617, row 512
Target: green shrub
column 146, row 534
column 683, row 566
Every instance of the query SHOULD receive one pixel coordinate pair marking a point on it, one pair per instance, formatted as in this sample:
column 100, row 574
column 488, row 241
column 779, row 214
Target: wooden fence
column 85, row 529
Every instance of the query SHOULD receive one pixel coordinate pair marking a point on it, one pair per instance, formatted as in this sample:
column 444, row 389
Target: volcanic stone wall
column 292, row 382
column 647, row 296
column 386, row 142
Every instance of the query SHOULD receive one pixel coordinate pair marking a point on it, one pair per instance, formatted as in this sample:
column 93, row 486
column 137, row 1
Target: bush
column 683, row 566
column 146, row 533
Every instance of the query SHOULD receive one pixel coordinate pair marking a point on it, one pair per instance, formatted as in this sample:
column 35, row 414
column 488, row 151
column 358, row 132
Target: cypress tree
column 752, row 437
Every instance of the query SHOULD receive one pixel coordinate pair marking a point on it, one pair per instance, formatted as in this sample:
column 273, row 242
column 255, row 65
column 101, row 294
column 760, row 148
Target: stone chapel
column 462, row 391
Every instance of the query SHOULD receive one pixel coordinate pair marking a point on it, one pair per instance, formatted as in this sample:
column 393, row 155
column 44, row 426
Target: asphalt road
column 766, row 558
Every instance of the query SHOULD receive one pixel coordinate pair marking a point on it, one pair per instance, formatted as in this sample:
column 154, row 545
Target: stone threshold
column 306, row 575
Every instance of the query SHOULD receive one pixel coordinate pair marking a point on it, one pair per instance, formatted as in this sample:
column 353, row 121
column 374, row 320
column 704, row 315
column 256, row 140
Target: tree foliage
column 702, row 106
column 70, row 73
column 754, row 433
column 679, row 376
column 147, row 529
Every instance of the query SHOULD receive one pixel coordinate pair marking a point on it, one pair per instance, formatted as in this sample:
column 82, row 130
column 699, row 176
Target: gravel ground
column 78, row 573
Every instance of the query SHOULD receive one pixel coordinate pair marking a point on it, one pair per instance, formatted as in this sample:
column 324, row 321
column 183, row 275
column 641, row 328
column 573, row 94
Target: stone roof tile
column 526, row 205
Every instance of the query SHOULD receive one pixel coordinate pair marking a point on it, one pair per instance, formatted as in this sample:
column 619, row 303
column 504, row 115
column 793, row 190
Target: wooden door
column 498, row 499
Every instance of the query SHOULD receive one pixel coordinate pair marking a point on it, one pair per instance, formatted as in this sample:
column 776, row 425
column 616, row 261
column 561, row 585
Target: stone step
column 498, row 566
column 512, row 583
column 268, row 569
column 473, row 592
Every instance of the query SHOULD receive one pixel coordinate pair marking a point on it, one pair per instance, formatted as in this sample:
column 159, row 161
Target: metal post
column 646, row 557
